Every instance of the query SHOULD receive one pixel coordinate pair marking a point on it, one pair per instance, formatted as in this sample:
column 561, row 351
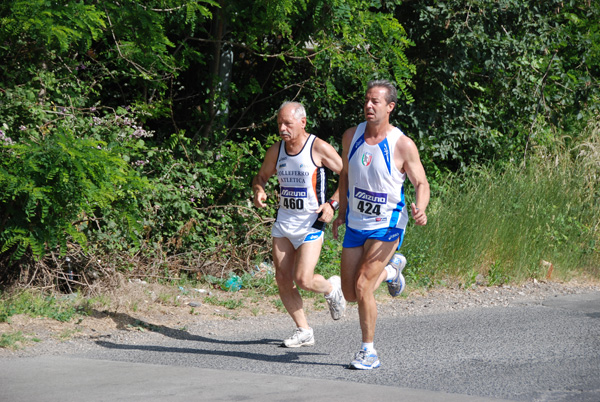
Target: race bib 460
column 293, row 197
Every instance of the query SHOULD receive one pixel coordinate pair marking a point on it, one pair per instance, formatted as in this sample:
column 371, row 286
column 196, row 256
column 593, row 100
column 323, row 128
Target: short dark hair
column 392, row 94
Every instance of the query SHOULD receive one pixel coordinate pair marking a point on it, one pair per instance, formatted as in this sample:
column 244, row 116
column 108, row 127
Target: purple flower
column 6, row 140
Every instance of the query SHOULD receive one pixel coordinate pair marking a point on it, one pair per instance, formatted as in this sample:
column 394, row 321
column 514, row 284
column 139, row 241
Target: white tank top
column 375, row 185
column 302, row 186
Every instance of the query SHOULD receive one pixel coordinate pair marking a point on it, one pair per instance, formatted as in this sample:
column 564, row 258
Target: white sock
column 391, row 272
column 368, row 346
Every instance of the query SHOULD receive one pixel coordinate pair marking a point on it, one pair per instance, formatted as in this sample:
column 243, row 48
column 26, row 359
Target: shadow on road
column 288, row 356
column 125, row 322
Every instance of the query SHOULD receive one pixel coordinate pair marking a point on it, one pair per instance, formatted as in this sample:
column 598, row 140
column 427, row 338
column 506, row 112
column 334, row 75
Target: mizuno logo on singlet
column 294, row 192
column 378, row 198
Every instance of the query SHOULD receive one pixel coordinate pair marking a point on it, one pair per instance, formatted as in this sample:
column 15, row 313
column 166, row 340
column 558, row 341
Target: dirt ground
column 137, row 306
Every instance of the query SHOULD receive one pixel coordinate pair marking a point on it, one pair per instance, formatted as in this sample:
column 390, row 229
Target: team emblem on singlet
column 367, row 158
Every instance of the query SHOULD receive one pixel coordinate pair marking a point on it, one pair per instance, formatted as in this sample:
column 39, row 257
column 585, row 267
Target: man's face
column 289, row 126
column 376, row 107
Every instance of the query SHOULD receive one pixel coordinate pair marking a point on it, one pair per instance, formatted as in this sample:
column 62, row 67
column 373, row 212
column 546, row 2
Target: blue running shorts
column 357, row 238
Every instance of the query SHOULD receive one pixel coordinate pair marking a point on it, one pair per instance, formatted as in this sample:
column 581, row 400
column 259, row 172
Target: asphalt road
column 548, row 351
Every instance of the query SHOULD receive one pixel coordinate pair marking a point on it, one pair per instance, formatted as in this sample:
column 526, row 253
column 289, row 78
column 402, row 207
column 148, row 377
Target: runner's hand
column 327, row 213
column 340, row 220
column 418, row 215
column 259, row 199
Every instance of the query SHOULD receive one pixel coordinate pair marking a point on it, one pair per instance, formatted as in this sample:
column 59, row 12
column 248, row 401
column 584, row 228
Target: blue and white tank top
column 302, row 187
column 375, row 185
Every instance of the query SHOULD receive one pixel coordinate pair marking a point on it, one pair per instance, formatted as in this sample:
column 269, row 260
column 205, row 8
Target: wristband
column 334, row 204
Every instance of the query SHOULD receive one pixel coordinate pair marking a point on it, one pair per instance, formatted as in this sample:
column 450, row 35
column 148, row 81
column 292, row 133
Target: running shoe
column 365, row 360
column 397, row 283
column 301, row 337
column 336, row 301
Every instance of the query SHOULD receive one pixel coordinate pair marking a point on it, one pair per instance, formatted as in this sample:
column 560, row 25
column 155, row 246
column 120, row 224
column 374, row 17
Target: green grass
column 12, row 340
column 36, row 304
column 230, row 304
column 279, row 305
column 504, row 223
column 15, row 340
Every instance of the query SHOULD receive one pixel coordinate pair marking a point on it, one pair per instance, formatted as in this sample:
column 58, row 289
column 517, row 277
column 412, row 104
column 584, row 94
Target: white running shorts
column 297, row 238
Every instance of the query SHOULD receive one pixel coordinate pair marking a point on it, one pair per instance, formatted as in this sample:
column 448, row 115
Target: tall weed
column 511, row 223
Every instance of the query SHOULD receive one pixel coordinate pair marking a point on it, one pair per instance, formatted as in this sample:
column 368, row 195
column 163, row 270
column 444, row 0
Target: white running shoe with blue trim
column 364, row 360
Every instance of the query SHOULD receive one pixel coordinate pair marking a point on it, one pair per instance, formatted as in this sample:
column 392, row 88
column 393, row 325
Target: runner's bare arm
column 411, row 164
column 326, row 155
column 267, row 170
column 343, row 182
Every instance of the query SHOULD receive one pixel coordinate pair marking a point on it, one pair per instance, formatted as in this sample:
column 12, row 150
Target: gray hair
column 392, row 94
column 299, row 111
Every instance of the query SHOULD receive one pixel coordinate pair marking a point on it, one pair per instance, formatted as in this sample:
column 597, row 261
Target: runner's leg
column 284, row 259
column 307, row 257
column 375, row 256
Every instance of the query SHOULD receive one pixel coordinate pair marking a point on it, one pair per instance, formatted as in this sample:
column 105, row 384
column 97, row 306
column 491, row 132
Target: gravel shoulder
column 122, row 322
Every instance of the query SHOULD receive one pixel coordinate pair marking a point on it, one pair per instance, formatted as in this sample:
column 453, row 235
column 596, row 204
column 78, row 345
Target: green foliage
column 53, row 24
column 486, row 70
column 504, row 223
column 496, row 276
column 180, row 96
column 56, row 183
column 319, row 52
column 196, row 205
column 331, row 254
